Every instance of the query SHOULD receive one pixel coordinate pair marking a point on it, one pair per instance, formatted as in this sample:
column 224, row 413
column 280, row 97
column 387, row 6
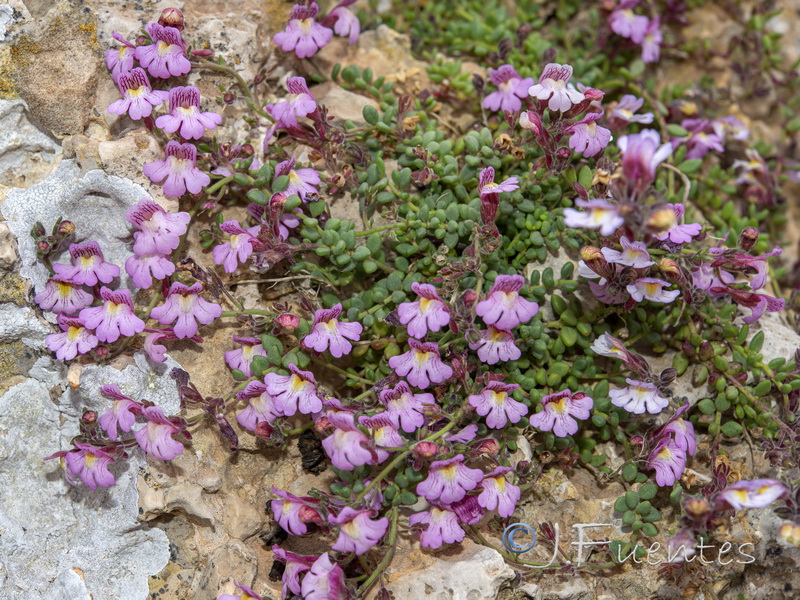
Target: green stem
column 342, row 371
column 246, row 311
column 387, row 558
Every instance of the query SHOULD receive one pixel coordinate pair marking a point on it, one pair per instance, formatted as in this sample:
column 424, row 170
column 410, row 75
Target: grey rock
column 27, row 154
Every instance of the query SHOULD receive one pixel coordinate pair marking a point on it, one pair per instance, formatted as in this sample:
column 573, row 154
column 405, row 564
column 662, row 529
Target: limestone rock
column 341, row 104
column 26, row 154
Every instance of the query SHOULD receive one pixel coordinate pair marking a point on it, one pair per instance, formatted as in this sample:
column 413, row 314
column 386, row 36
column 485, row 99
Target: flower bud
column 323, row 425
column 748, row 238
column 661, row 219
column 288, row 321
column 171, row 17
column 594, row 95
column 671, row 269
column 595, row 260
column 101, row 351
column 228, row 98
column 637, row 440
column 563, row 153
column 531, row 121
column 790, row 533
column 89, row 417
column 141, row 40
column 66, row 228
column 696, row 508
column 488, row 446
column 469, row 297
column 309, row 515
column 668, row 375
column 706, row 350
column 42, row 246
column 425, row 450
column 264, row 430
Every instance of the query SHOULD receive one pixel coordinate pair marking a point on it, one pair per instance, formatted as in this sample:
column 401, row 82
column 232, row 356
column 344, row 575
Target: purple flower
column 641, row 155
column 300, row 103
column 114, row 318
column 587, row 136
column 294, row 392
column 247, row 594
column 325, row 580
column 682, row 431
column 600, row 215
column 553, row 87
column 625, row 23
column 88, row 265
column 290, row 511
column 624, row 112
column 649, row 288
column 348, row 447
column 143, row 268
column 511, row 87
column 383, row 433
column 295, row 564
column 421, row 365
column 62, row 296
column 496, row 345
column 347, row 24
column 429, row 313
column 757, row 493
column 138, row 96
column 120, row 60
column 449, row 481
column 358, row 531
column 166, row 55
column 328, row 332
column 303, row 34
column 561, row 411
column 240, row 358
column 496, row 404
column 159, row 231
column 608, row 345
column 486, row 184
column 156, row 352
column 668, row 461
column 651, row 41
column 757, row 303
column 301, row 181
column 91, row 465
column 668, row 220
column 260, row 406
column 701, row 139
column 498, row 494
column 156, row 436
column 468, row 510
column 443, row 527
column 74, row 338
column 239, row 246
column 122, row 414
column 184, row 307
column 633, row 254
column 504, row 307
column 404, row 408
column 179, row 168
column 184, row 114
column 639, row 397
column 467, row 434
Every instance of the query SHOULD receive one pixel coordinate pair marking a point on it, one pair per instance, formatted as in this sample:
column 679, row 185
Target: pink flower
column 429, row 313
column 303, row 34
column 184, row 114
column 327, row 331
column 639, row 397
column 292, row 512
column 468, row 510
column 757, row 303
column 239, row 246
column 404, row 408
column 648, row 288
column 88, row 265
column 156, row 436
column 633, row 254
column 600, row 215
column 184, row 307
column 625, row 23
column 682, row 431
column 757, row 493
column 561, row 411
column 325, row 580
column 301, row 181
column 74, row 338
column 348, row 447
column 641, row 155
column 443, row 527
column 114, row 318
column 383, row 434
column 156, row 352
column 143, row 268
column 671, row 225
column 120, row 60
column 260, row 408
column 179, row 168
column 668, row 461
column 91, row 465
column 242, row 357
column 294, row 392
column 504, row 307
column 166, row 55
column 486, row 184
column 587, row 136
column 138, row 96
column 300, row 103
column 122, row 414
column 62, row 296
column 553, row 87
column 449, row 481
column 498, row 494
column 358, row 531
column 512, row 87
column 496, row 404
column 495, row 346
column 247, row 594
column 651, row 42
column 347, row 24
column 624, row 112
column 159, row 231
column 295, row 564
column 421, row 365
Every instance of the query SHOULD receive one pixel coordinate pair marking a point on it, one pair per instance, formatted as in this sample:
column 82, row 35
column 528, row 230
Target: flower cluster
column 306, row 35
column 639, row 29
